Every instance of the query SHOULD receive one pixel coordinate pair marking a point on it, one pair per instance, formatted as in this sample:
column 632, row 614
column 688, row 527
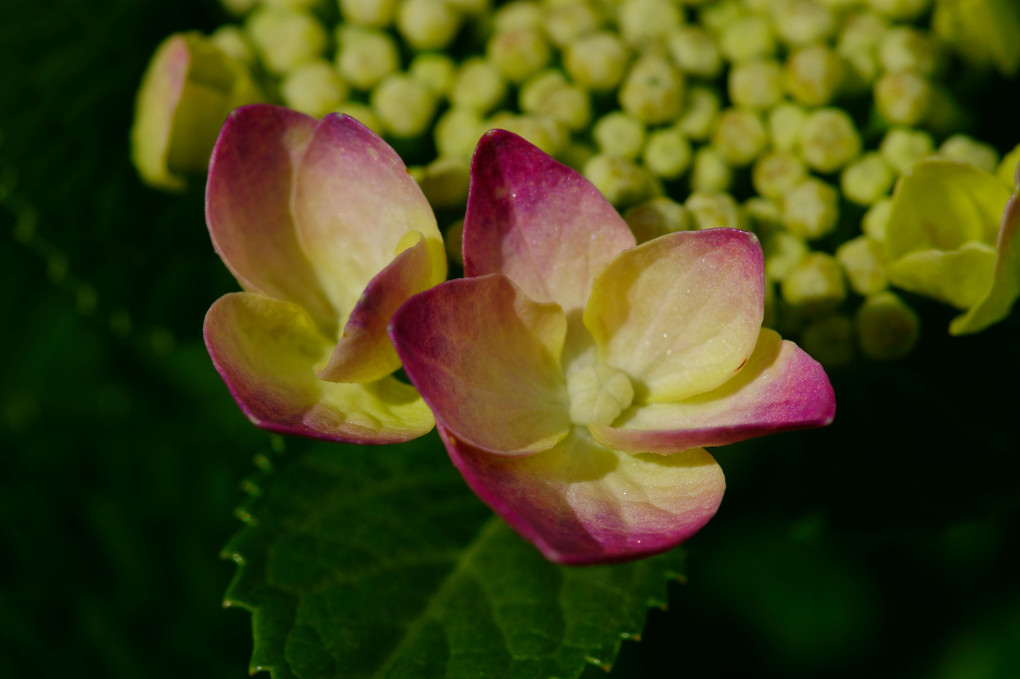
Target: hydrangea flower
column 951, row 236
column 576, row 378
column 328, row 234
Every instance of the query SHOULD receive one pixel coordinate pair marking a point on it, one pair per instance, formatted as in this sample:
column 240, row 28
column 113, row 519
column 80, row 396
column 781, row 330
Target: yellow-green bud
column 597, row 61
column 657, row 217
column 739, row 136
column 784, row 123
column 313, row 88
column 518, row 15
column 434, row 70
column 284, row 38
column 814, row 75
column 700, row 112
column 868, row 179
column 646, row 21
column 747, row 38
column 519, row 54
column 445, row 182
column 863, row 260
column 802, row 22
column 428, row 24
column 404, row 105
column 876, row 219
column 861, row 31
column 544, row 132
column 756, row 84
column 620, row 180
column 904, row 48
column 777, row 172
column 667, row 153
column 966, row 149
column 886, row 327
column 548, row 93
column 234, row 43
column 903, row 98
column 762, row 215
column 829, row 340
column 239, row 7
column 815, row 285
column 371, row 13
column 714, row 210
column 811, row 209
column 567, row 22
column 365, row 56
column 620, row 134
column 717, row 16
column 710, row 171
column 783, row 253
column 829, row 140
column 652, row 91
column 900, row 10
column 902, row 147
column 478, row 85
column 694, row 51
column 457, row 131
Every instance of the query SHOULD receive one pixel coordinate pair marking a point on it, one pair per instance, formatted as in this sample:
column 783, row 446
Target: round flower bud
column 565, row 23
column 700, row 112
column 902, row 147
column 739, row 136
column 814, row 75
column 657, row 217
column 445, row 182
column 549, row 93
column 519, row 54
column 829, row 340
column 747, row 38
column 477, row 85
column 619, row 134
column 620, row 180
column 714, row 210
column 863, row 261
column 694, row 51
column 783, row 253
column 875, row 220
column 457, row 132
column 652, row 91
column 802, row 22
column 427, row 24
column 829, row 140
column 238, row 7
column 904, row 48
column 667, row 153
column 234, row 43
column 717, row 16
column 756, row 84
column 784, row 123
column 815, row 285
column 285, row 38
column 597, row 61
column 371, row 13
column 811, row 209
column 365, row 56
column 542, row 131
column 861, row 31
column 313, row 88
column 404, row 105
column 903, row 98
column 965, row 149
column 434, row 70
column 776, row 173
column 710, row 171
column 518, row 15
column 868, row 179
column 646, row 21
column 762, row 215
column 886, row 327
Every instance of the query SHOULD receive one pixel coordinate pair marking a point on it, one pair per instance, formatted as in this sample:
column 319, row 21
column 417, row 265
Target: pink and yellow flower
column 328, row 235
column 576, row 378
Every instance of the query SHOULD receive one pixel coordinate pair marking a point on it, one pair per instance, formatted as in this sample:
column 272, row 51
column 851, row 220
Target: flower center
column 598, row 394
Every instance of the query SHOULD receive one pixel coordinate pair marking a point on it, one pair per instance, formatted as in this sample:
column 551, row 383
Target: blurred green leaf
column 379, row 562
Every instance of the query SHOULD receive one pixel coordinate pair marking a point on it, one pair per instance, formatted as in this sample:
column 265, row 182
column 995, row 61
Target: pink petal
column 680, row 314
column 538, row 222
column 486, row 360
column 251, row 174
column 581, row 503
column 266, row 351
column 781, row 388
column 354, row 203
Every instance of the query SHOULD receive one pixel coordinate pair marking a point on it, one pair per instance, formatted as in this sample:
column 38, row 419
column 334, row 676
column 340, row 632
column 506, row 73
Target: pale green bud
column 518, row 15
column 815, row 285
column 903, row 98
column 234, row 43
column 284, row 38
column 700, row 112
column 646, row 21
column 457, row 131
column 371, row 13
column 313, row 88
column 966, row 149
column 576, row 155
column 667, row 153
column 404, row 105
column 239, row 7
column 518, row 54
column 544, row 132
column 710, row 171
column 657, row 217
column 783, row 254
column 756, row 84
column 747, row 38
column 694, row 51
column 904, row 48
column 1009, row 167
column 868, row 179
column 829, row 140
column 570, row 21
column 435, row 70
column 902, row 147
column 886, row 327
column 478, row 85
column 762, row 215
column 714, row 210
column 620, row 134
column 739, row 136
column 802, row 22
column 829, row 340
column 811, row 209
column 861, row 31
column 549, row 93
column 652, row 91
column 365, row 56
column 900, row 10
column 717, row 16
column 471, row 8
column 814, row 75
column 291, row 4
column 620, row 180
column 597, row 61
column 363, row 114
column 776, row 173
column 445, row 182
column 784, row 123
column 863, row 260
column 876, row 219
column 428, row 24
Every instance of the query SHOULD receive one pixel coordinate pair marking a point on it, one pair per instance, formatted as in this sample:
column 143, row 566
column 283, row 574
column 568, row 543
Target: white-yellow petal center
column 598, row 394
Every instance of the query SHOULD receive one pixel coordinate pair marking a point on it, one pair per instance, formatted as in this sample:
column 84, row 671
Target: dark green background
column 885, row 544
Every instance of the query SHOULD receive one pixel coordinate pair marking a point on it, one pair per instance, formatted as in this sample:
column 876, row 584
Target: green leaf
column 380, row 562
